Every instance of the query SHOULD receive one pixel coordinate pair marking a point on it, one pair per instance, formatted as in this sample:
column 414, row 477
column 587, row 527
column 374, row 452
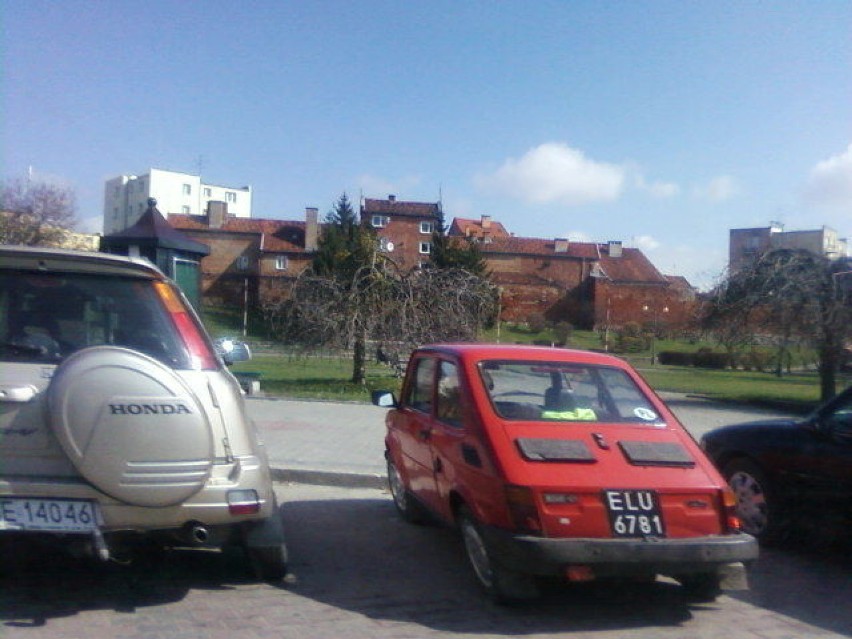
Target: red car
column 559, row 463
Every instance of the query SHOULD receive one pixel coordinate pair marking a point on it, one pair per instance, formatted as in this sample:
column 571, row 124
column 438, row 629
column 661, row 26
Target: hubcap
column 396, row 487
column 477, row 553
column 752, row 508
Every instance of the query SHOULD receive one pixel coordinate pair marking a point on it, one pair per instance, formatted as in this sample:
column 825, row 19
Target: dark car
column 789, row 472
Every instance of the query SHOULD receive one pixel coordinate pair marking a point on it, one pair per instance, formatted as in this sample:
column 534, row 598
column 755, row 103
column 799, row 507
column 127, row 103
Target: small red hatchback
column 559, row 463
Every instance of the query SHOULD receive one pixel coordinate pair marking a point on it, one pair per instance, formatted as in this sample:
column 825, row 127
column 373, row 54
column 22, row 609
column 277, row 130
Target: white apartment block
column 126, row 197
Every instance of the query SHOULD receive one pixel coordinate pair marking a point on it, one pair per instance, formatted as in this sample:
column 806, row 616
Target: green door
column 186, row 277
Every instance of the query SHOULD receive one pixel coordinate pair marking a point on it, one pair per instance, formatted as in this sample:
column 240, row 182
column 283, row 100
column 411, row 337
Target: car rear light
column 522, row 509
column 579, row 573
column 243, row 502
column 729, row 510
column 201, row 355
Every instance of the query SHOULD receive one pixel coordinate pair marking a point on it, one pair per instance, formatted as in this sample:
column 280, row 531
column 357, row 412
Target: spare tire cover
column 131, row 426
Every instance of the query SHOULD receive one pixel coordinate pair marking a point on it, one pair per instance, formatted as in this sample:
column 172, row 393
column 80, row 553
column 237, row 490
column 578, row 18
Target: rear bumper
column 209, row 506
column 609, row 557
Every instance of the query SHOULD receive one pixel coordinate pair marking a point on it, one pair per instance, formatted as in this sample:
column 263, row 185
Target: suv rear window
column 44, row 317
column 561, row 392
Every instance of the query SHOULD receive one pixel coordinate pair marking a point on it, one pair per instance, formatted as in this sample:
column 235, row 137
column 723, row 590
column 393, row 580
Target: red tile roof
column 279, row 236
column 465, row 227
column 403, row 209
column 632, row 266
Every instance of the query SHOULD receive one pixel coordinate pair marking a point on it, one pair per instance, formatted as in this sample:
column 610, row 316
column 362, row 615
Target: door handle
column 19, row 394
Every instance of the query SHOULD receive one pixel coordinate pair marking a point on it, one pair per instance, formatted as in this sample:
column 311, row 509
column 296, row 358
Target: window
column 420, row 392
column 426, row 227
column 379, row 221
column 230, row 196
column 187, row 189
column 449, row 395
column 425, row 248
column 562, row 391
column 281, row 263
column 242, row 262
column 115, row 212
column 207, row 192
column 184, row 210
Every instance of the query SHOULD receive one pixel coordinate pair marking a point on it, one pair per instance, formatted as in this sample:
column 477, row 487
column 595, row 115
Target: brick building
column 587, row 284
column 247, row 254
column 404, row 228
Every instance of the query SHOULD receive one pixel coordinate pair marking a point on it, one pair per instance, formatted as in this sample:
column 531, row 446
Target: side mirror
column 383, row 399
column 232, row 351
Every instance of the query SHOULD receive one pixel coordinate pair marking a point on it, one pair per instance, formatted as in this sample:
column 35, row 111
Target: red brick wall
column 405, row 234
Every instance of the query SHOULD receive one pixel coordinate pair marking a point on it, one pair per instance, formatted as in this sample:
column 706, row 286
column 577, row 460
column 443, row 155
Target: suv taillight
column 520, row 501
column 201, row 355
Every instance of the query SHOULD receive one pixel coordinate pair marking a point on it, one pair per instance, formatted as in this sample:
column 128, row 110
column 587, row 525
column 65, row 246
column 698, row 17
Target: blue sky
column 662, row 124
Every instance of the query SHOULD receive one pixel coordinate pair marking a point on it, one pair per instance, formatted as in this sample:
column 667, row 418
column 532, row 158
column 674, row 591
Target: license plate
column 50, row 515
column 634, row 513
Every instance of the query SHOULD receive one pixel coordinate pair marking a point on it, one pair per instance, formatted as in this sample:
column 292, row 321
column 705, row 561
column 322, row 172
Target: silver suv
column 118, row 420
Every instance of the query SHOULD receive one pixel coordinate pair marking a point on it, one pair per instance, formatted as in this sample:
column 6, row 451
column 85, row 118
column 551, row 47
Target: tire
column 503, row 586
column 701, row 587
column 406, row 505
column 760, row 513
column 269, row 562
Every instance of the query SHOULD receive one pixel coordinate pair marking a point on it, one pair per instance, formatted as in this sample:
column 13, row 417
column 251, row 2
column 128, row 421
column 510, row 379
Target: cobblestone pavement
column 359, row 571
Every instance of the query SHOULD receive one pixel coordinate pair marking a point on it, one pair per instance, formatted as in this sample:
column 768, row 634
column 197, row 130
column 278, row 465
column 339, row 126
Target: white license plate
column 50, row 515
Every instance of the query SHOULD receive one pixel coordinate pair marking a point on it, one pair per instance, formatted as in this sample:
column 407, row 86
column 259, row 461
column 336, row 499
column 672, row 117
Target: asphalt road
column 359, row 571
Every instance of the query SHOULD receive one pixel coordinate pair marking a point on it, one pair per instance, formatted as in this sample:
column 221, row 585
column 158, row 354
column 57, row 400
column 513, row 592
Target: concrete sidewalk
column 342, row 444
column 315, row 442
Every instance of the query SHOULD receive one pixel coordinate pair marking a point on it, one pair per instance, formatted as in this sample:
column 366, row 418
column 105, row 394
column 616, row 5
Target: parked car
column 788, row 472
column 558, row 463
column 119, row 421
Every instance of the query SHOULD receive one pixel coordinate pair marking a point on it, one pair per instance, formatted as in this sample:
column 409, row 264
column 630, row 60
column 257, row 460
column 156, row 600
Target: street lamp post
column 653, row 311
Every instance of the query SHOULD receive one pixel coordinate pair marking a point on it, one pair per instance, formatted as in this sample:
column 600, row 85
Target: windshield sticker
column 645, row 414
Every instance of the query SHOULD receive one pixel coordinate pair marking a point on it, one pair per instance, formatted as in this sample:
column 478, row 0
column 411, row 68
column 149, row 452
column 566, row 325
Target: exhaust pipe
column 196, row 533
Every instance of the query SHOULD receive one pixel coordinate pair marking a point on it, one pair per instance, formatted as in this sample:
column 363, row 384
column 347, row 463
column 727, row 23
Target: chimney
column 311, row 228
column 615, row 248
column 391, row 198
column 217, row 213
column 486, row 222
column 560, row 245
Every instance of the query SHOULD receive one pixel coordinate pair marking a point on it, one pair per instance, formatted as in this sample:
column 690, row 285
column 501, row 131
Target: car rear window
column 562, row 392
column 44, row 317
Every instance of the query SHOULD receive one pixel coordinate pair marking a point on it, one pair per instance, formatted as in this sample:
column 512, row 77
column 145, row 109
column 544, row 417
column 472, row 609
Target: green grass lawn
column 328, row 378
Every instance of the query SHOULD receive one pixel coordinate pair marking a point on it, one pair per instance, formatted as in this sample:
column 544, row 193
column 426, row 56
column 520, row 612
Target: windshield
column 562, row 392
column 44, row 317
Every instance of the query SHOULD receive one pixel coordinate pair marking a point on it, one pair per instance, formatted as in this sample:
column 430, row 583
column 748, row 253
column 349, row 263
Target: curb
column 328, row 478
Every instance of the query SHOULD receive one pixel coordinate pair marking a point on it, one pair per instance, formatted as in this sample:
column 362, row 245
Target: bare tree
column 35, row 213
column 790, row 296
column 398, row 310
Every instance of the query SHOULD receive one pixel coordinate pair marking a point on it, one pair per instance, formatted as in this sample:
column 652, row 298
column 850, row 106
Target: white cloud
column 646, row 243
column 719, row 189
column 578, row 236
column 658, row 190
column 555, row 172
column 830, row 182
